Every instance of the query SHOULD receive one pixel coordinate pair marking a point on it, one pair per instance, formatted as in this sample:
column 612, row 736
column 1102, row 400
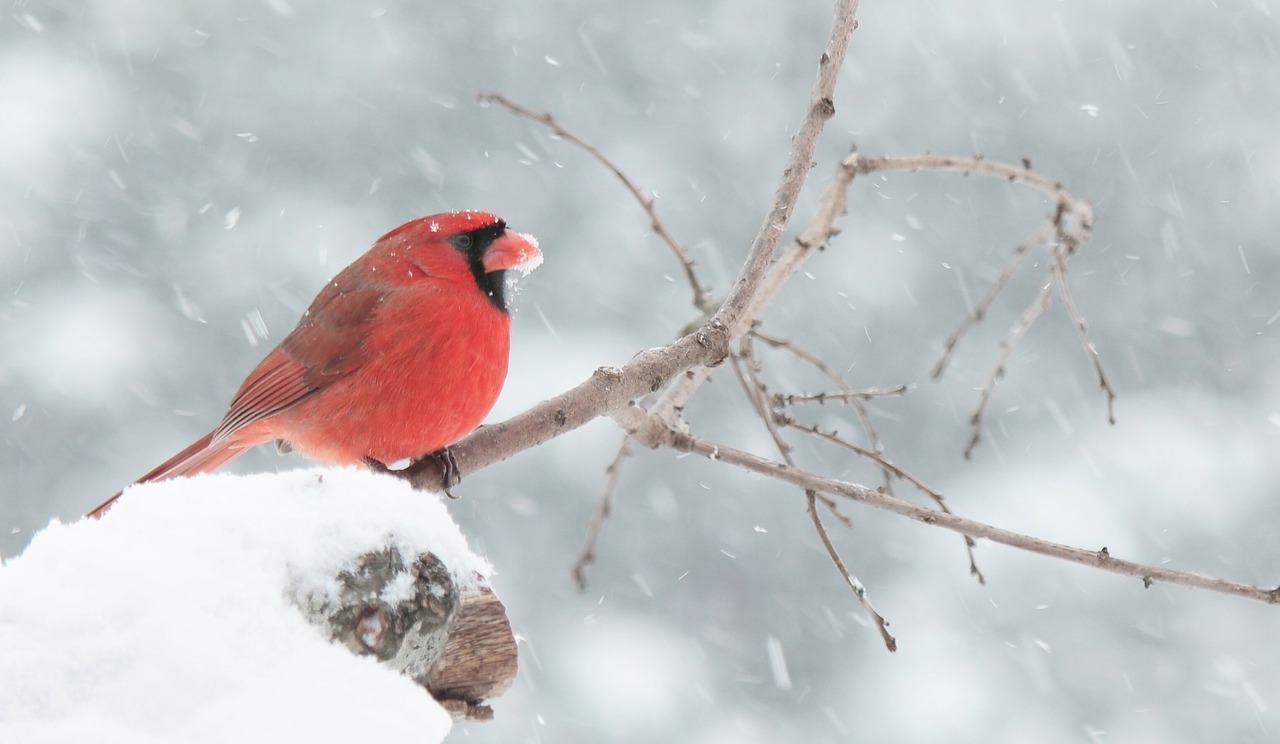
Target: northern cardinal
column 401, row 355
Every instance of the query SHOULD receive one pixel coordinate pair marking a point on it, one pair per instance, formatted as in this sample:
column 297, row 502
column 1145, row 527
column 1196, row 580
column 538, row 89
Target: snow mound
column 168, row 620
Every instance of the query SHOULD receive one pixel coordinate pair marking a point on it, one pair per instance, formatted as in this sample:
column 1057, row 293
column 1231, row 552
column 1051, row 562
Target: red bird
column 401, row 355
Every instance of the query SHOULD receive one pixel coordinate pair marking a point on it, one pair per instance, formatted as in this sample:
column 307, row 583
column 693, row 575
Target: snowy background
column 178, row 179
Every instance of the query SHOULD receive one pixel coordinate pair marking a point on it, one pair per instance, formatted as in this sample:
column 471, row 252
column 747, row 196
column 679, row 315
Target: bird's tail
column 200, row 456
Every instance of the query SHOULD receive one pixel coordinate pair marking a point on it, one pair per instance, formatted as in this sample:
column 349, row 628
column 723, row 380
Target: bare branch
column 747, row 369
column 745, row 298
column 876, row 451
column 859, row 591
column 753, row 290
column 682, row 366
column 701, row 295
column 877, row 457
column 1073, row 229
column 1007, row 347
column 651, row 433
column 606, row 390
column 1082, row 329
column 1072, row 221
column 598, row 517
column 979, row 310
column 889, row 467
column 851, row 396
column 650, row 370
column 975, row 165
column 831, row 206
column 843, row 396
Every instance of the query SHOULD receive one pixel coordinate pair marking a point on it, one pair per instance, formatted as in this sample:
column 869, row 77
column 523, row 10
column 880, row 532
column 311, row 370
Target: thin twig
column 657, row 435
column 979, row 310
column 832, row 204
column 820, row 364
column 975, row 165
column 879, row 459
column 859, row 591
column 887, row 466
column 1074, row 223
column 1028, row 318
column 746, row 369
column 744, row 296
column 701, row 295
column 603, row 508
column 1082, row 329
column 687, row 359
column 754, row 289
column 841, row 396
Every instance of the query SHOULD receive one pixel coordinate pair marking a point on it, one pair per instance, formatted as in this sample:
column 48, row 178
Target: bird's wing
column 326, row 345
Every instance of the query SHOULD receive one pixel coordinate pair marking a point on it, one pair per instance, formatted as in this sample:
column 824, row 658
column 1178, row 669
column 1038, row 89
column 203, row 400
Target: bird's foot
column 375, row 465
column 441, row 464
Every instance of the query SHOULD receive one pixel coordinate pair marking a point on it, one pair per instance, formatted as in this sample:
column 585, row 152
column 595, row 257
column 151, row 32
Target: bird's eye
column 461, row 242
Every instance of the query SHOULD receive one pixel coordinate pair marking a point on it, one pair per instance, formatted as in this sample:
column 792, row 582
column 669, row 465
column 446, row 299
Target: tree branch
column 975, row 165
column 701, row 295
column 1072, row 225
column 753, row 290
column 603, row 508
column 1009, row 345
column 859, row 591
column 652, row 369
column 673, row 373
column 979, row 311
column 648, row 431
column 607, row 389
column 744, row 295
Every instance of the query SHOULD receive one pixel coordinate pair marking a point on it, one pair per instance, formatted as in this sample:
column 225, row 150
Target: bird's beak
column 513, row 250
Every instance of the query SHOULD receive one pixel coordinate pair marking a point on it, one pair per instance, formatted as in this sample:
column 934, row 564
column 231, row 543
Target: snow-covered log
column 226, row 608
column 457, row 643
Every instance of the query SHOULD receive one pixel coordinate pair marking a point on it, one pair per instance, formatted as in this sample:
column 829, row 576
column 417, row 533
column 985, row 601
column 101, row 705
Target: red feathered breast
column 432, row 363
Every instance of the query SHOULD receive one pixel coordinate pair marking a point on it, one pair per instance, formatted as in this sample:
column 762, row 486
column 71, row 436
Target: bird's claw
column 450, row 474
column 440, row 462
column 375, row 465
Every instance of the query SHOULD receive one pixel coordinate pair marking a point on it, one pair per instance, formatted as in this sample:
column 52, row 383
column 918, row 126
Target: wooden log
column 455, row 642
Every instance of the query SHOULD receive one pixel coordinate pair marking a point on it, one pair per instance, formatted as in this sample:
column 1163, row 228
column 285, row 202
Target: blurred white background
column 177, row 180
